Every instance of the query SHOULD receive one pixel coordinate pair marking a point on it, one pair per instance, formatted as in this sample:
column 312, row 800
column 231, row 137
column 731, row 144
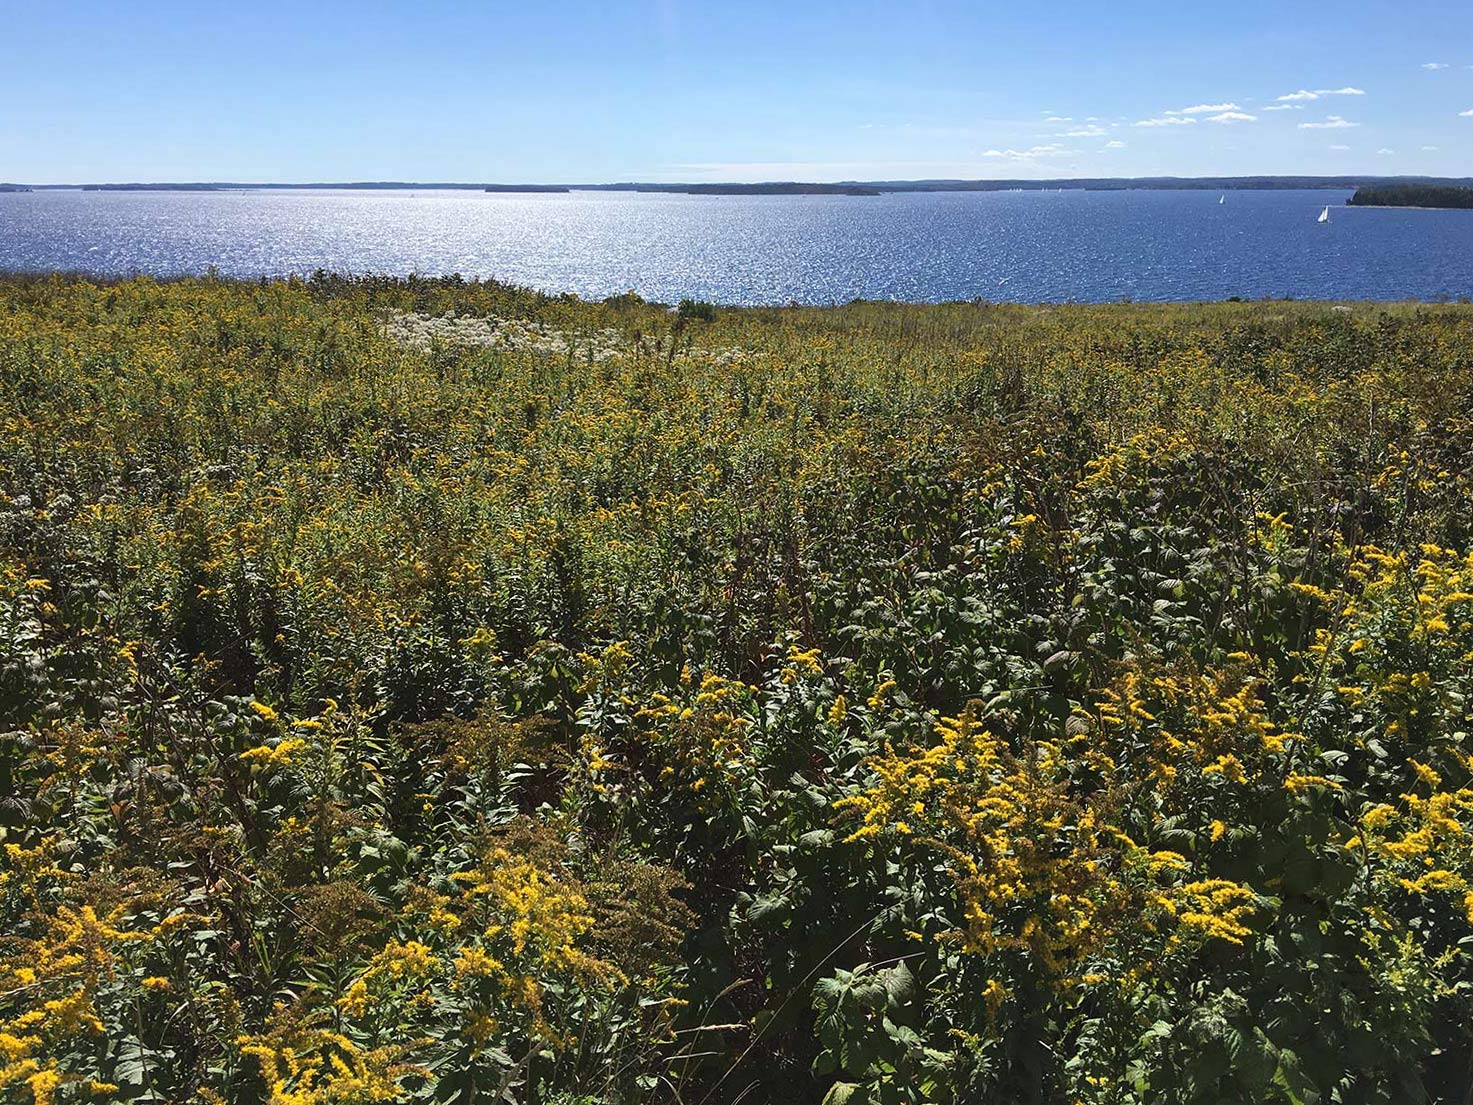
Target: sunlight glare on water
column 1031, row 246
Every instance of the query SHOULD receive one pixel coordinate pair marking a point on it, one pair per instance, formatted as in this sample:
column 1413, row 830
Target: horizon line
column 1216, row 180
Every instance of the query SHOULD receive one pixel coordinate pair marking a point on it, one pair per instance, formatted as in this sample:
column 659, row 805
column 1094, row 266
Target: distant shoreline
column 1441, row 197
column 845, row 187
column 1395, row 207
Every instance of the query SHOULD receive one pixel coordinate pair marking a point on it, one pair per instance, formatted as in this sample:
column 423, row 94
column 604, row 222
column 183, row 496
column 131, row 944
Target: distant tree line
column 1413, row 195
column 846, row 187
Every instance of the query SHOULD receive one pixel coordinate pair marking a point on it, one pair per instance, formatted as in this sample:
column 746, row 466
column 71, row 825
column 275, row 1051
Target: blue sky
column 315, row 90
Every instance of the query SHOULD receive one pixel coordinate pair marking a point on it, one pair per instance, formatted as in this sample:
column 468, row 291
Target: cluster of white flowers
column 421, row 331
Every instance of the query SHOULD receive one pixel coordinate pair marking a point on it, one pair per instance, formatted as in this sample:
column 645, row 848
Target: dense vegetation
column 1412, row 195
column 878, row 703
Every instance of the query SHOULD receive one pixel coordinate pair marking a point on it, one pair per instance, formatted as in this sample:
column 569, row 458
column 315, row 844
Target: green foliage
column 429, row 690
column 1412, row 195
column 696, row 310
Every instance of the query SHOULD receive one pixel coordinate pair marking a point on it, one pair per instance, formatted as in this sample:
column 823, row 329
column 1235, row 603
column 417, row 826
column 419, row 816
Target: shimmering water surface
column 1028, row 246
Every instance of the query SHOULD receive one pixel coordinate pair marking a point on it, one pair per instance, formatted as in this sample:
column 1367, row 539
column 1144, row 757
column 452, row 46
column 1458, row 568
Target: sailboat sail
column 1324, row 216
column 1221, row 199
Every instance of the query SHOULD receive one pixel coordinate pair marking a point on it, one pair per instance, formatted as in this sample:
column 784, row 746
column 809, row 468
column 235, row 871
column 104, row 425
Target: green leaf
column 842, row 1093
column 769, row 907
column 899, row 983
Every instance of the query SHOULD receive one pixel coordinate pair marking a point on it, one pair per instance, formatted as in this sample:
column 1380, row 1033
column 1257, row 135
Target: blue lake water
column 1020, row 246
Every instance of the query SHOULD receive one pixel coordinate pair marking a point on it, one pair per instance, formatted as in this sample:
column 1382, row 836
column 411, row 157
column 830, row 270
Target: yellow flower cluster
column 1203, row 729
column 307, row 1064
column 704, row 739
column 1036, row 869
column 48, row 985
column 1212, row 909
column 281, row 754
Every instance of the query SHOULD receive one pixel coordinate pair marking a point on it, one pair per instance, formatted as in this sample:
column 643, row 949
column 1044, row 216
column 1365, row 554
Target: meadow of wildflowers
column 432, row 691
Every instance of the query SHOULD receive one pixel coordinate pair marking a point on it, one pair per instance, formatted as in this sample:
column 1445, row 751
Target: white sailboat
column 1324, row 216
column 1222, row 199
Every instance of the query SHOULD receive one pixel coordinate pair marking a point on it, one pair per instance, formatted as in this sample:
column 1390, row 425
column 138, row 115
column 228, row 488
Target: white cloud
column 1114, row 144
column 1166, row 121
column 1466, row 114
column 1284, row 107
column 1383, row 150
column 1305, row 94
column 1332, row 122
column 1430, row 149
column 1232, row 117
column 1053, row 149
column 1090, row 131
column 1059, row 119
column 1204, row 109
column 1434, row 65
column 1339, row 147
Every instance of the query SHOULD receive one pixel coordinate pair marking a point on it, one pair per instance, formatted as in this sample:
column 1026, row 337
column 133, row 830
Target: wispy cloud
column 1232, row 117
column 1342, row 149
column 1059, row 119
column 1091, row 131
column 1466, row 114
column 1304, row 94
column 1166, row 121
column 1053, row 149
column 1332, row 122
column 1434, row 65
column 1115, row 144
column 1430, row 149
column 1283, row 107
column 1384, row 151
column 1204, row 109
